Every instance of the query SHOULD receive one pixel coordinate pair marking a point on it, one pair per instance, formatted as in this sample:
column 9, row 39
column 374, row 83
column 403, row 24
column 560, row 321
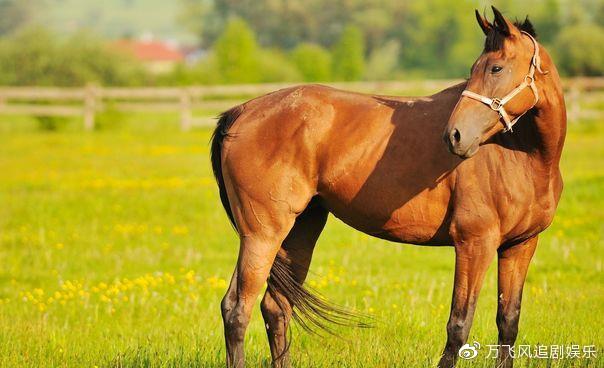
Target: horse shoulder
column 506, row 191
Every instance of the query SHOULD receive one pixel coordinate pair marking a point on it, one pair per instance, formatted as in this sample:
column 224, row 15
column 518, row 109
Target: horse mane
column 495, row 37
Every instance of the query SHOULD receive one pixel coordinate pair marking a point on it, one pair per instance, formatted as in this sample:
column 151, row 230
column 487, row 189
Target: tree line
column 252, row 41
column 402, row 39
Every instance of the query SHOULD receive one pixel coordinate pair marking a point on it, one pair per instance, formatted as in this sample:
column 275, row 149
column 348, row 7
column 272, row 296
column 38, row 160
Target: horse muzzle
column 460, row 144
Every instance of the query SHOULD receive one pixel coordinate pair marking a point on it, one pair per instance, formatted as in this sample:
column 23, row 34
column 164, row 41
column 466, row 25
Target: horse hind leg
column 290, row 268
column 262, row 229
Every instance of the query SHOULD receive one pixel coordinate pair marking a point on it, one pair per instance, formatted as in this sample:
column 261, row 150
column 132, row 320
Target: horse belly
column 422, row 220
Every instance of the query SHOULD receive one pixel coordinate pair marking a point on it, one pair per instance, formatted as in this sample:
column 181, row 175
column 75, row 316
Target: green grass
column 115, row 252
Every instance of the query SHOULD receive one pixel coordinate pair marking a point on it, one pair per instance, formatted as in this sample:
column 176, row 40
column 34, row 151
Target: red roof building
column 159, row 57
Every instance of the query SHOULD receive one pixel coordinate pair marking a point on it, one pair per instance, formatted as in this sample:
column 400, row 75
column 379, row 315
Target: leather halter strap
column 498, row 104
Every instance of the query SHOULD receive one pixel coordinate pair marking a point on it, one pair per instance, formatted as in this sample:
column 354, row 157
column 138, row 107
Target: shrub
column 34, row 56
column 313, row 62
column 50, row 123
column 581, row 50
column 236, row 53
column 205, row 71
column 383, row 61
column 273, row 66
column 348, row 55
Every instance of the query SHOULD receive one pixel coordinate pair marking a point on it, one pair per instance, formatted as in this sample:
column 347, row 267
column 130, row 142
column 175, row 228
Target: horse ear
column 501, row 24
column 483, row 22
column 527, row 27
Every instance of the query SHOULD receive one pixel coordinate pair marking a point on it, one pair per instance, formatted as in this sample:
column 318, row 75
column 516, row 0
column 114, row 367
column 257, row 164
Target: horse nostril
column 455, row 136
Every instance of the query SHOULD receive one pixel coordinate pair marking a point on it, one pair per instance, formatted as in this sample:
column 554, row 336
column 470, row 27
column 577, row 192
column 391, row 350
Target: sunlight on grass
column 116, row 252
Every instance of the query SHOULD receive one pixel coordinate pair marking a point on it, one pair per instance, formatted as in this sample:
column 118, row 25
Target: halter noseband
column 497, row 104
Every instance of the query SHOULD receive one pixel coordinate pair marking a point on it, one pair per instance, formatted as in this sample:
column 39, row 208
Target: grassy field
column 115, row 252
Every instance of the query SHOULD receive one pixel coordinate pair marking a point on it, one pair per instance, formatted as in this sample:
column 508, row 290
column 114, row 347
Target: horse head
column 503, row 85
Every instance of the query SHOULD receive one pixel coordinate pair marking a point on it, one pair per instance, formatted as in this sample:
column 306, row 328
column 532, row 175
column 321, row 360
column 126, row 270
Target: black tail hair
column 225, row 120
column 311, row 311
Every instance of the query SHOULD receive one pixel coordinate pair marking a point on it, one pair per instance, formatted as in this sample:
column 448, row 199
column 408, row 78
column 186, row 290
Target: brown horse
column 285, row 160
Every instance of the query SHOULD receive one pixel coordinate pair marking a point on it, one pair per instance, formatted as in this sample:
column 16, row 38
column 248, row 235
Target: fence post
column 89, row 107
column 186, row 114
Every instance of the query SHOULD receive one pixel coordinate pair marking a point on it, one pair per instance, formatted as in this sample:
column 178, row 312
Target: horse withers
column 285, row 160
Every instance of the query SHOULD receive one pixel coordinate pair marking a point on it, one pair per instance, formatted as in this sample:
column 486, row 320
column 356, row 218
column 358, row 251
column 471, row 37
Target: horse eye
column 496, row 69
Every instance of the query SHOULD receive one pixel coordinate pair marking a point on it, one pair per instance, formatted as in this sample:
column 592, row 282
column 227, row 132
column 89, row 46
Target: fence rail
column 86, row 102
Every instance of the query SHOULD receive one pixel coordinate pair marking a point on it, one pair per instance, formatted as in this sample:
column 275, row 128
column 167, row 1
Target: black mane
column 496, row 36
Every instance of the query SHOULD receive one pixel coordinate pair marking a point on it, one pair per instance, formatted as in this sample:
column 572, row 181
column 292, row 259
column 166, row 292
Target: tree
column 29, row 55
column 438, row 37
column 383, row 61
column 274, row 66
column 236, row 53
column 34, row 56
column 582, row 45
column 199, row 18
column 280, row 23
column 547, row 18
column 349, row 55
column 313, row 62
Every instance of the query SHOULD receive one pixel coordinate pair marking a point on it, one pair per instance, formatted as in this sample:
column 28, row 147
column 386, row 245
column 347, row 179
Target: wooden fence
column 195, row 104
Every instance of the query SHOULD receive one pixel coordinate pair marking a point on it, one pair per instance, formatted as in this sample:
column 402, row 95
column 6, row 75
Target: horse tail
column 311, row 310
column 225, row 121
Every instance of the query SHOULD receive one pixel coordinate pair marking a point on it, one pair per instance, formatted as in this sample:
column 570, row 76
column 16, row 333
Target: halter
column 497, row 104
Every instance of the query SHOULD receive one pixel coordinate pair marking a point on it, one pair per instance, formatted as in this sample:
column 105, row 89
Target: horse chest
column 520, row 206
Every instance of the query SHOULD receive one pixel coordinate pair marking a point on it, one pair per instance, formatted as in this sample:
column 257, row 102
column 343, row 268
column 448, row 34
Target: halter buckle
column 496, row 104
column 528, row 79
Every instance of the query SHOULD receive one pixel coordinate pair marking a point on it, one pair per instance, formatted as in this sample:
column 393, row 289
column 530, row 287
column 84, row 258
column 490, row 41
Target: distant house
column 158, row 57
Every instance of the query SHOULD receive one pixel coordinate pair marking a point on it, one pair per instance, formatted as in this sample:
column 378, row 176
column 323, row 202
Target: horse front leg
column 512, row 269
column 472, row 259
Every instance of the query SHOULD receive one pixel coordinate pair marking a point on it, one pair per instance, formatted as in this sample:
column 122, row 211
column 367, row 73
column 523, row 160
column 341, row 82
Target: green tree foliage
column 349, row 55
column 236, row 52
column 582, row 45
column 313, row 62
column 437, row 38
column 236, row 58
column 278, row 23
column 274, row 66
column 198, row 16
column 88, row 59
column 548, row 20
column 34, row 56
column 204, row 72
column 383, row 61
column 249, row 41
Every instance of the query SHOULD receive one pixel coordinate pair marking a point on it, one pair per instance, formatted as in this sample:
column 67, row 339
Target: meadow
column 115, row 252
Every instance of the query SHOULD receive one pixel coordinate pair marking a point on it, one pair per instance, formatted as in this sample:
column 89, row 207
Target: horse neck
column 550, row 119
